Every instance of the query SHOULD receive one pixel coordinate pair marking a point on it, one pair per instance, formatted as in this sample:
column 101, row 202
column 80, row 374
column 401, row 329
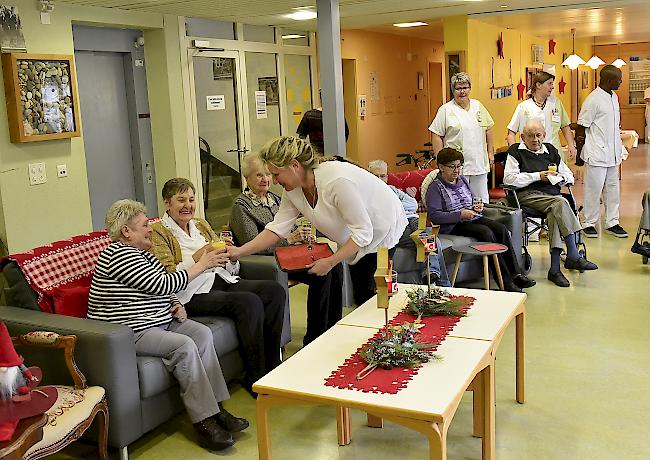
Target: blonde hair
column 280, row 151
column 119, row 214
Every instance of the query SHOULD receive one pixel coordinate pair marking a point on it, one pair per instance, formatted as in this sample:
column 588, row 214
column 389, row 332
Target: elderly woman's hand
column 300, row 235
column 213, row 259
column 178, row 312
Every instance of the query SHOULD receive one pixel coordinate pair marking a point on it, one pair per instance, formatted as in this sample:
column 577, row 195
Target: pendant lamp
column 619, row 62
column 573, row 61
column 594, row 61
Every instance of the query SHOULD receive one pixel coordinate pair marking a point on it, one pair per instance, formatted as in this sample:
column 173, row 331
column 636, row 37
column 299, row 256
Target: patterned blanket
column 61, row 264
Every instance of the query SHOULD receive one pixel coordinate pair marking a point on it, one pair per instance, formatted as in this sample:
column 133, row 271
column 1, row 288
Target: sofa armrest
column 105, row 353
column 257, row 267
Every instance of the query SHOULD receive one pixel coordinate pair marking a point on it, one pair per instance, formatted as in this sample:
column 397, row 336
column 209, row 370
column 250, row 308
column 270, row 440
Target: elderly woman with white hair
column 256, row 207
column 465, row 125
column 131, row 287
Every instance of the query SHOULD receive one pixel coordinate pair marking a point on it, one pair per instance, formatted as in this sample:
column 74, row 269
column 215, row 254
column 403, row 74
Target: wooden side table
column 468, row 249
column 28, row 432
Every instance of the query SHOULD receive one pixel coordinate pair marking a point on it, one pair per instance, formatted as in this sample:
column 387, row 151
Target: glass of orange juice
column 219, row 246
column 552, row 167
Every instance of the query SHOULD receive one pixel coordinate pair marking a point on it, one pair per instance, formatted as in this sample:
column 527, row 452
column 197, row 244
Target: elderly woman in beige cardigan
column 255, row 306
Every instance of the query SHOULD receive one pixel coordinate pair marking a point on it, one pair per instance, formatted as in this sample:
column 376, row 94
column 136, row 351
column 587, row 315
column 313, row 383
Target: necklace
column 542, row 105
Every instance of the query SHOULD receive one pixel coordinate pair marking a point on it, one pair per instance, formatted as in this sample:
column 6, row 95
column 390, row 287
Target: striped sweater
column 131, row 287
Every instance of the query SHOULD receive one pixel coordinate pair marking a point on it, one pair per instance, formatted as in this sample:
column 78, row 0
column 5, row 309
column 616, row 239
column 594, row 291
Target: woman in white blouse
column 465, row 125
column 344, row 202
column 542, row 105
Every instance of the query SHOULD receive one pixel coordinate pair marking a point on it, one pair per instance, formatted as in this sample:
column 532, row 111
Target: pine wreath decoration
column 434, row 302
column 395, row 347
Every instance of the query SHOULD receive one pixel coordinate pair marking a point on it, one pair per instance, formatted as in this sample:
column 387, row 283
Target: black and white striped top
column 131, row 287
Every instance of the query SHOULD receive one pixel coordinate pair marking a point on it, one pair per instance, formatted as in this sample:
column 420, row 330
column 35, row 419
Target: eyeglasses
column 463, row 88
column 454, row 167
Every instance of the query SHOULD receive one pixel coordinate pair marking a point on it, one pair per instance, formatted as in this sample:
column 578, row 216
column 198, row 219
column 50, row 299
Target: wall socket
column 61, row 171
column 37, row 174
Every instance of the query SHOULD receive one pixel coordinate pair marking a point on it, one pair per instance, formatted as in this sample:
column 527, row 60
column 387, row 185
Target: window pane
column 197, row 27
column 298, row 88
column 263, row 34
column 295, row 37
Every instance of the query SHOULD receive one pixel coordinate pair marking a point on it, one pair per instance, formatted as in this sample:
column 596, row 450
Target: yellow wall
column 34, row 215
column 482, row 48
column 398, row 121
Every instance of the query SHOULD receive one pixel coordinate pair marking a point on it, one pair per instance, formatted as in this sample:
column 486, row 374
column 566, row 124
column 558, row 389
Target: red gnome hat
column 8, row 355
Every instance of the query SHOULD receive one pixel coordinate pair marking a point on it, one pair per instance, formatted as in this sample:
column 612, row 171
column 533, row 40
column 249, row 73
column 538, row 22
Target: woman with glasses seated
column 465, row 125
column 449, row 202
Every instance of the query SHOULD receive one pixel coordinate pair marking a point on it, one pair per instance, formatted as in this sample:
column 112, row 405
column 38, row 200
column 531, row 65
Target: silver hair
column 119, row 214
column 247, row 163
column 460, row 77
column 533, row 123
column 376, row 164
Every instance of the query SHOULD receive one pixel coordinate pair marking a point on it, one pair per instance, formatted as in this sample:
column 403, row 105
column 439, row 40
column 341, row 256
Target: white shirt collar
column 522, row 145
column 177, row 231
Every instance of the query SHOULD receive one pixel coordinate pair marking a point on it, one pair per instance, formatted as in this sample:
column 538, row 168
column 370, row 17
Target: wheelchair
column 534, row 221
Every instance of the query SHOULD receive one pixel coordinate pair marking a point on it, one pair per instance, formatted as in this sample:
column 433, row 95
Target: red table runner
column 435, row 329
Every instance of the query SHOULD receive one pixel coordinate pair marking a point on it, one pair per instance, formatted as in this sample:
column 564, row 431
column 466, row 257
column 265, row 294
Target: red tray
column 296, row 258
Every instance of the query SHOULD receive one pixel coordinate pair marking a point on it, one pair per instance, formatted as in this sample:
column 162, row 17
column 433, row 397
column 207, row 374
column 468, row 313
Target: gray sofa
column 471, row 267
column 141, row 393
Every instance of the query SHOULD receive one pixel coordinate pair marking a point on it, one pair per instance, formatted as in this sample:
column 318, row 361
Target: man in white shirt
column 598, row 139
column 537, row 170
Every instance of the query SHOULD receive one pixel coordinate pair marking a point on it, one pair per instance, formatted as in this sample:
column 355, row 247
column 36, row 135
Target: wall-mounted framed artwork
column 42, row 98
column 454, row 63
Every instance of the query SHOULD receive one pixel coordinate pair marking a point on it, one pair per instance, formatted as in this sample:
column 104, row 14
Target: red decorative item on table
column 19, row 397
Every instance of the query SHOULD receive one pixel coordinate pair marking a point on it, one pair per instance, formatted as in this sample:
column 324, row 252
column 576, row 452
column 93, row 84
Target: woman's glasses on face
column 462, row 88
column 454, row 167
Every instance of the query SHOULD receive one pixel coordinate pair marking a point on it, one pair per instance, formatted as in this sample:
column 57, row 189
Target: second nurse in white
column 465, row 125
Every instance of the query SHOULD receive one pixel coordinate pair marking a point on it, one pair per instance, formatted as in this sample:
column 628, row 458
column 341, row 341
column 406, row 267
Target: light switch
column 37, row 173
column 61, row 171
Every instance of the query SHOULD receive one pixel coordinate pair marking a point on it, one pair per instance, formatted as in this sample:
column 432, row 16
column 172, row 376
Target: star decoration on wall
column 500, row 46
column 561, row 86
column 520, row 90
column 551, row 46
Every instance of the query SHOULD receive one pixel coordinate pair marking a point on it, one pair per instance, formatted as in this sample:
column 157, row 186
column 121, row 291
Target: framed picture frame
column 585, row 79
column 454, row 63
column 42, row 96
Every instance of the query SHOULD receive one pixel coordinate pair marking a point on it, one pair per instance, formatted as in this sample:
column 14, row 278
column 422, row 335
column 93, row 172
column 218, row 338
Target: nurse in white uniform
column 465, row 125
column 543, row 106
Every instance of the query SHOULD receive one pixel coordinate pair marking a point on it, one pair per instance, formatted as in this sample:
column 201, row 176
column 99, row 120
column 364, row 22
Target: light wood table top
column 303, row 375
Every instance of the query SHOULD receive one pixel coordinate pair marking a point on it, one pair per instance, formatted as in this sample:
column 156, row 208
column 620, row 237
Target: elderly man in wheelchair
column 536, row 172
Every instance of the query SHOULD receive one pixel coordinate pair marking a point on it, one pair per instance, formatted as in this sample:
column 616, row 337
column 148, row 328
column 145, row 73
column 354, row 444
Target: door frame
column 243, row 133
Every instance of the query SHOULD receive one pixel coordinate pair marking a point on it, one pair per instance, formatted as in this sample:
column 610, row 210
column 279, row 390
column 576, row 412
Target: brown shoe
column 212, row 436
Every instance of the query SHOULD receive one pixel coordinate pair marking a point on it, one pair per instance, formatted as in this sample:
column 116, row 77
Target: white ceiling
column 620, row 19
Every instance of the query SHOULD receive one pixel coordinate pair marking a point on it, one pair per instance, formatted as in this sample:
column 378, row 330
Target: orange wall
column 398, row 121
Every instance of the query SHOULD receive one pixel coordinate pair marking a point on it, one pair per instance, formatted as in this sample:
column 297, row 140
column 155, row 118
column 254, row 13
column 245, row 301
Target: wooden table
column 487, row 319
column 426, row 405
column 469, row 250
column 28, row 433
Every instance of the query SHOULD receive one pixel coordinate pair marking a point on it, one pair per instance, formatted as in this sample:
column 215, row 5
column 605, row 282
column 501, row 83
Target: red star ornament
column 500, row 46
column 551, row 46
column 520, row 90
column 561, row 86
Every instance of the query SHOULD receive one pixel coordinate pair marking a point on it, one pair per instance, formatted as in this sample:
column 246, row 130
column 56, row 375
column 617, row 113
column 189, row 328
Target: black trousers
column 324, row 300
column 491, row 231
column 362, row 275
column 257, row 308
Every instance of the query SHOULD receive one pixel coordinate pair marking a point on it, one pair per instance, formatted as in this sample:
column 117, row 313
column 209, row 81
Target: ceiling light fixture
column 291, row 36
column 619, row 62
column 302, row 15
column 573, row 61
column 594, row 61
column 411, row 24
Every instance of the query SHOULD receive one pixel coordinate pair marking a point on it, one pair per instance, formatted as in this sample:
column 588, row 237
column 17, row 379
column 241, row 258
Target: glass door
column 222, row 140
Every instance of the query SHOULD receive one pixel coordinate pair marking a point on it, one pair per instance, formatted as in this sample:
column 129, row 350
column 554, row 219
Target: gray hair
column 119, row 214
column 247, row 163
column 376, row 164
column 532, row 124
column 460, row 77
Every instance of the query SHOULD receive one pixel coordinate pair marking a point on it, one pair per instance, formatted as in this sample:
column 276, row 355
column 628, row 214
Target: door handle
column 244, row 150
